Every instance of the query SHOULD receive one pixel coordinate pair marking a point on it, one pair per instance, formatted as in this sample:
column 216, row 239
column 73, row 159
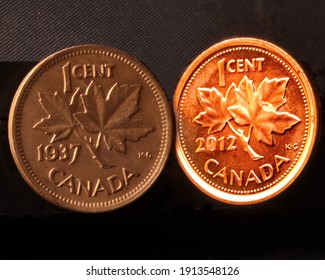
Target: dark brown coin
column 247, row 120
column 90, row 128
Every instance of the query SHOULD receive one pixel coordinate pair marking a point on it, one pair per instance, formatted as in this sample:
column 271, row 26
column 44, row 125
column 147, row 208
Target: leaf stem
column 245, row 141
column 98, row 140
column 239, row 133
column 96, row 155
column 250, row 132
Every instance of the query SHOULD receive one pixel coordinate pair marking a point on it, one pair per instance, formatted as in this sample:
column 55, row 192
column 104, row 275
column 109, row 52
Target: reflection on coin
column 247, row 121
column 90, row 128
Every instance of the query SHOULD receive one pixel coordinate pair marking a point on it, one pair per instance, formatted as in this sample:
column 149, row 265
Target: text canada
column 91, row 188
column 229, row 176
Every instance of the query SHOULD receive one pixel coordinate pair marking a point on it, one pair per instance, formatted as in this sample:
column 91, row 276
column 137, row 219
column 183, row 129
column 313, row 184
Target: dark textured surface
column 165, row 35
column 174, row 219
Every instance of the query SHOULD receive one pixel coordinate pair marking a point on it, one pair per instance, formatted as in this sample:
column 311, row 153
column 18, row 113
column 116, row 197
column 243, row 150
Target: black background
column 173, row 220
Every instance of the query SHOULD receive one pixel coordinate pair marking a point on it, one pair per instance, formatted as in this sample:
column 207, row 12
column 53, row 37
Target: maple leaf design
column 60, row 121
column 216, row 115
column 246, row 106
column 111, row 115
column 259, row 109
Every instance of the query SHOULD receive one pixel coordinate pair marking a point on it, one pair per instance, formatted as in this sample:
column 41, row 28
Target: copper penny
column 247, row 120
column 90, row 128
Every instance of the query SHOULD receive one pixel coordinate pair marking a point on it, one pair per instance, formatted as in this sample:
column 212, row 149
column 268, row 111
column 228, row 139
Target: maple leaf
column 259, row 108
column 60, row 121
column 111, row 115
column 215, row 115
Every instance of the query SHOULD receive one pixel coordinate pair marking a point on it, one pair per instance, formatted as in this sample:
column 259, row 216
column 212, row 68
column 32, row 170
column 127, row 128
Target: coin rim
column 311, row 138
column 12, row 132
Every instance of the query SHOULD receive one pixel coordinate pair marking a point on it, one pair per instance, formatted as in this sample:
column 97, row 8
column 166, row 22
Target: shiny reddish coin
column 247, row 120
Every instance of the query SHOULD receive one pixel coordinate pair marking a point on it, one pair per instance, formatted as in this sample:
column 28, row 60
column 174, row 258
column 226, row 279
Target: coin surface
column 246, row 120
column 90, row 128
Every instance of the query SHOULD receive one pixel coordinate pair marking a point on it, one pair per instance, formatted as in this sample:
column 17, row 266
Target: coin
column 90, row 128
column 246, row 120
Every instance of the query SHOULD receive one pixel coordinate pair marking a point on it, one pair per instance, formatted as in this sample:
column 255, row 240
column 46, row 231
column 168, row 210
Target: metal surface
column 90, row 128
column 187, row 224
column 247, row 120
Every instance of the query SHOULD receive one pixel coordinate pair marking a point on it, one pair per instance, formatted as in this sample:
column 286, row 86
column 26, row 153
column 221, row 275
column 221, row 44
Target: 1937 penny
column 90, row 128
column 247, row 120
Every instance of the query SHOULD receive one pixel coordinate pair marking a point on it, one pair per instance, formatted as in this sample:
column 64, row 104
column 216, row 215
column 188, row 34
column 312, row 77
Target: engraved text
column 230, row 176
column 239, row 65
column 91, row 188
column 58, row 152
column 82, row 71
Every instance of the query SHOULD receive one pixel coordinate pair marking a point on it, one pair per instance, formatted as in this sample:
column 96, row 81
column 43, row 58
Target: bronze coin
column 90, row 128
column 247, row 120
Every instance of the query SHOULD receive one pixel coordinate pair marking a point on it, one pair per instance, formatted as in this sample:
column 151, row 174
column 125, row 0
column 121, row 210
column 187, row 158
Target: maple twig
column 96, row 155
column 74, row 95
column 98, row 140
column 250, row 132
column 245, row 141
column 106, row 143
